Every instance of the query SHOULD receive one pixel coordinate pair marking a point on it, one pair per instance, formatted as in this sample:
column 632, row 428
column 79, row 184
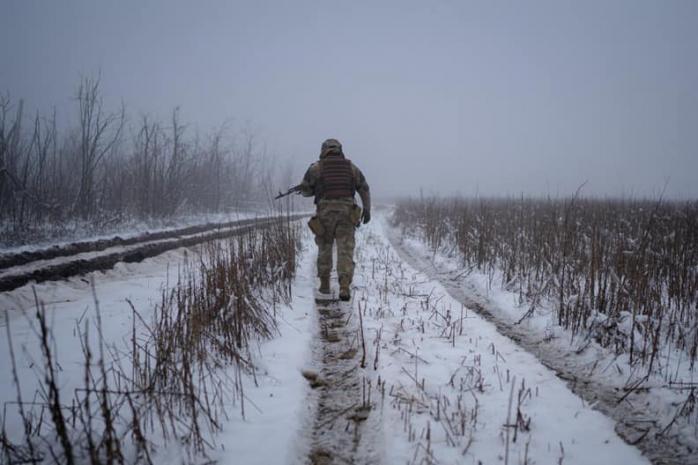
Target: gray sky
column 452, row 96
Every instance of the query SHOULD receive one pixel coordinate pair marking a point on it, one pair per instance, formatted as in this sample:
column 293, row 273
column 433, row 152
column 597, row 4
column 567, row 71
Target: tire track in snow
column 636, row 423
column 61, row 267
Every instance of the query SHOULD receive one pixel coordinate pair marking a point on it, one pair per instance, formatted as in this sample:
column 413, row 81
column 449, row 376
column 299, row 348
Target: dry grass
column 621, row 272
column 179, row 372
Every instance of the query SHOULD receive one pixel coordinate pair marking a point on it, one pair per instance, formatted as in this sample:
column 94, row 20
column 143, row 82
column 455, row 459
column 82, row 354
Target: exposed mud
column 8, row 260
column 343, row 405
column 145, row 247
column 636, row 420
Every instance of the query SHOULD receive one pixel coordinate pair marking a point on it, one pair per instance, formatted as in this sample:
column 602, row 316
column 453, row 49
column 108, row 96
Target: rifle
column 292, row 190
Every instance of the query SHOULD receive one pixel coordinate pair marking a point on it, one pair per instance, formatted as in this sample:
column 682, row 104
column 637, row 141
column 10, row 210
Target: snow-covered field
column 273, row 398
column 654, row 410
column 457, row 391
column 443, row 385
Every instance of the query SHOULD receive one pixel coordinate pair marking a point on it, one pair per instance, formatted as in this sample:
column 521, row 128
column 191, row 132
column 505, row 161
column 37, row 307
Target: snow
column 426, row 368
column 70, row 304
column 40, row 264
column 487, row 289
column 127, row 230
column 269, row 432
column 657, row 403
column 413, row 346
column 274, row 409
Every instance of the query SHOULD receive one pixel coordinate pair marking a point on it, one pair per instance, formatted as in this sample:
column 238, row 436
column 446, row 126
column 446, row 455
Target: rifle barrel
column 293, row 189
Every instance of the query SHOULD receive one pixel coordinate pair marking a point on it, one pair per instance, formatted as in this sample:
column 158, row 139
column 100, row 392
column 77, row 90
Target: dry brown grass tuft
column 621, row 272
column 179, row 371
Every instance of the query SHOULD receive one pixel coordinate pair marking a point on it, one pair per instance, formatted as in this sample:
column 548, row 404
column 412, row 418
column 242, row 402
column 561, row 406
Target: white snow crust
column 437, row 393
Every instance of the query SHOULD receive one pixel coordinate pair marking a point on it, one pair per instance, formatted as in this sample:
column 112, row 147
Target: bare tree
column 99, row 132
column 10, row 185
column 89, row 178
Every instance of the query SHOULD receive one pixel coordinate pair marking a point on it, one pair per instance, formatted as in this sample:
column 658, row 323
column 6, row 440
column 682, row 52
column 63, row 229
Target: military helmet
column 330, row 145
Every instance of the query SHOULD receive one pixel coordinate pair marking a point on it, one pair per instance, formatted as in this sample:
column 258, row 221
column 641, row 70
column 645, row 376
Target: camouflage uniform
column 336, row 215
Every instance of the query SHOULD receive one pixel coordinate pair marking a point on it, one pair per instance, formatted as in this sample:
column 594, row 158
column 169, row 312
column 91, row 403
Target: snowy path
column 80, row 258
column 438, row 383
column 656, row 416
column 339, row 430
column 445, row 387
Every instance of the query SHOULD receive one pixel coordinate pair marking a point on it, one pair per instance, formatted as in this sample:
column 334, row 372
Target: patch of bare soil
column 146, row 246
column 342, row 403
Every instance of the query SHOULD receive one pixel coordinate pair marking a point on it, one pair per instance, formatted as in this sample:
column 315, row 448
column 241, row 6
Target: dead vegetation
column 60, row 180
column 174, row 380
column 623, row 273
column 432, row 413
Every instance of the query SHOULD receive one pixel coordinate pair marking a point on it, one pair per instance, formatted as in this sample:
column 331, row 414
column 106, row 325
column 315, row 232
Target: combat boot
column 344, row 289
column 324, row 285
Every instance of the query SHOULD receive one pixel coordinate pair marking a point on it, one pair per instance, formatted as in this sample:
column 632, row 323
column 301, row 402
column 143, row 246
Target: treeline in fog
column 108, row 169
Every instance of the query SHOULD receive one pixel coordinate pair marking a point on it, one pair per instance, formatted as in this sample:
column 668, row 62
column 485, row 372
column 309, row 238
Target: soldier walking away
column 334, row 180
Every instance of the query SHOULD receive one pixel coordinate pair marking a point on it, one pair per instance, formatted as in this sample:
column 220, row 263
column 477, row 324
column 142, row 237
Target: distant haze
column 488, row 97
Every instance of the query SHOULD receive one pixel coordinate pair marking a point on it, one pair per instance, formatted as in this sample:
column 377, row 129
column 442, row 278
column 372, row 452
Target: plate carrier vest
column 336, row 178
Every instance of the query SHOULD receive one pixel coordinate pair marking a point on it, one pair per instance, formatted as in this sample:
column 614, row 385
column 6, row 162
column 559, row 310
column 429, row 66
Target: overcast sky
column 486, row 97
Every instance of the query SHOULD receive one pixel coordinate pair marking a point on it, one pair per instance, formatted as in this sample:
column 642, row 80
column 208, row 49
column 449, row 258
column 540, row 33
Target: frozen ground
column 53, row 264
column 439, row 383
column 454, row 390
column 655, row 411
column 273, row 402
column 50, row 236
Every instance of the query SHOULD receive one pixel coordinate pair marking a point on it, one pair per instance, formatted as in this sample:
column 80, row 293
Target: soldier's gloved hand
column 366, row 216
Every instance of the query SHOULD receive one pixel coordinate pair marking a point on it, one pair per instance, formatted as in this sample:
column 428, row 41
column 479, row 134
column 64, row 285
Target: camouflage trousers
column 336, row 219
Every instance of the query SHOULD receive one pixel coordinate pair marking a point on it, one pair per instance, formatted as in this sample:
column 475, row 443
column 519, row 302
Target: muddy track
column 146, row 246
column 632, row 411
column 11, row 259
column 342, row 407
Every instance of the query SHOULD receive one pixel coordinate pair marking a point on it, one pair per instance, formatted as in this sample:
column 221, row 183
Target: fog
column 489, row 98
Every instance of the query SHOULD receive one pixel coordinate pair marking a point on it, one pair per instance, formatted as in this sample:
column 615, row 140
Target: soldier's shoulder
column 355, row 167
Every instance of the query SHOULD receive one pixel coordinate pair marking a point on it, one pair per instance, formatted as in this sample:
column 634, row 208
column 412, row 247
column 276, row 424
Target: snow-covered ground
column 655, row 410
column 118, row 249
column 274, row 398
column 126, row 230
column 672, row 364
column 453, row 383
column 444, row 386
